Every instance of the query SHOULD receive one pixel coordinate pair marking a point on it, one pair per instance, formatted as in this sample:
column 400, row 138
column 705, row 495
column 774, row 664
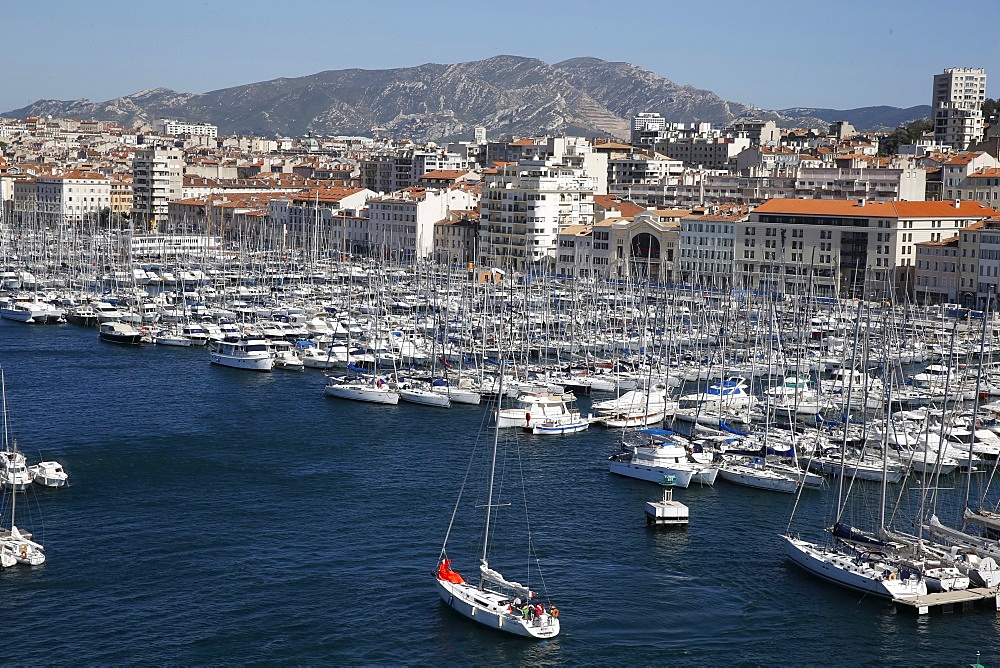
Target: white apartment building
column 180, row 128
column 523, row 209
column 643, row 178
column 313, row 219
column 705, row 250
column 157, row 179
column 956, row 102
column 838, row 247
column 402, row 224
column 396, row 170
column 66, row 198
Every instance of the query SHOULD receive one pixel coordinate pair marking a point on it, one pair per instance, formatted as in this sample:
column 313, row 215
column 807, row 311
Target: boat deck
column 951, row 601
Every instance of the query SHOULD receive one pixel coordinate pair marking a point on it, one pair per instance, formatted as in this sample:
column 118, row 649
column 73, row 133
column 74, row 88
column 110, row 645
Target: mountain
column 866, row 118
column 506, row 94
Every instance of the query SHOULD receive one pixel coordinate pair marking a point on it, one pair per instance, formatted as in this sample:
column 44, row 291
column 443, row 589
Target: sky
column 773, row 54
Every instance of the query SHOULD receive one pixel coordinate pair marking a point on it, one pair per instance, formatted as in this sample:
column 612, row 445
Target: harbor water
column 221, row 516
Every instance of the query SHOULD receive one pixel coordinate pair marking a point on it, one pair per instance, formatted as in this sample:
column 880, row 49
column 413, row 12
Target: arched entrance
column 644, row 253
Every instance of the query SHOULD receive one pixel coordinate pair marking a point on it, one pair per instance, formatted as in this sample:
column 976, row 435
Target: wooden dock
column 951, row 601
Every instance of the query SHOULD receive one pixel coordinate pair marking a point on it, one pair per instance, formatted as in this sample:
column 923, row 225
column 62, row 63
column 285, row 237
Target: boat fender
column 554, row 611
column 892, row 576
column 527, row 418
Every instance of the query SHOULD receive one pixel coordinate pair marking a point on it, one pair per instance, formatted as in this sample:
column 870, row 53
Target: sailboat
column 16, row 546
column 495, row 602
column 855, row 559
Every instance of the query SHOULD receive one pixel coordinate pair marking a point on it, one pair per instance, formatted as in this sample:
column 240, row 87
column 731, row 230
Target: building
column 525, row 206
column 55, row 200
column 706, row 246
column 957, row 104
column 181, row 129
column 456, row 238
column 831, row 248
column 936, row 277
column 311, row 219
column 645, row 178
column 157, row 179
column 402, row 224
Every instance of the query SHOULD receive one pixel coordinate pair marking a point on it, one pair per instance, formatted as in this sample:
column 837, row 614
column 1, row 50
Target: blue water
column 221, row 516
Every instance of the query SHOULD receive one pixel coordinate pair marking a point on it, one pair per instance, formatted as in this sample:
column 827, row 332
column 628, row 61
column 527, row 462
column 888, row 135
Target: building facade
column 524, row 207
column 956, row 102
column 157, row 179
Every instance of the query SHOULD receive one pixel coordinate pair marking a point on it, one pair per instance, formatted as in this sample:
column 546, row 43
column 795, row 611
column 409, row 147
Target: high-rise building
column 157, row 178
column 525, row 207
column 957, row 105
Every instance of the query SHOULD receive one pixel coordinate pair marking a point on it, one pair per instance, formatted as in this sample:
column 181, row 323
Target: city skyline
column 743, row 53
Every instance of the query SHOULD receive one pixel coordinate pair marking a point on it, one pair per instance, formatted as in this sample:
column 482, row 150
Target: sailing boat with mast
column 495, row 601
column 16, row 546
column 856, row 560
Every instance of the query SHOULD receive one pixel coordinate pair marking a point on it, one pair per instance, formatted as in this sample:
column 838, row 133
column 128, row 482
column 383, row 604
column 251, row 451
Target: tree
column 991, row 111
column 904, row 134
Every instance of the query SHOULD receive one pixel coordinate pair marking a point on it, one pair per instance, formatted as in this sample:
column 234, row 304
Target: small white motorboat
column 49, row 474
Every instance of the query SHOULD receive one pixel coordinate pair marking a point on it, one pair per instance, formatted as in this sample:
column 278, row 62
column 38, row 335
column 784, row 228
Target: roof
column 613, row 202
column 950, row 241
column 850, row 208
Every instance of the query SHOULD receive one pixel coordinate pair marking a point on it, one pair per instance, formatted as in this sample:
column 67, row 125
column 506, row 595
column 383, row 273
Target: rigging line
column 461, row 492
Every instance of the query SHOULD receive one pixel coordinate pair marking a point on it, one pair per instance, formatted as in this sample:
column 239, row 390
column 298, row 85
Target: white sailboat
column 16, row 546
column 495, row 602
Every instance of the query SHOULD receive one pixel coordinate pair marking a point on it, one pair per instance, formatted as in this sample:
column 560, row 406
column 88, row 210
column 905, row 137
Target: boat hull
column 364, row 393
column 466, row 600
column 841, row 570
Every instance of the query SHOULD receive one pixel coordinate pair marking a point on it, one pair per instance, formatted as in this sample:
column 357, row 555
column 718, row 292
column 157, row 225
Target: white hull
column 682, row 477
column 484, row 608
column 757, row 478
column 568, row 428
column 366, row 393
column 249, row 363
column 458, row 395
column 841, row 569
column 424, row 397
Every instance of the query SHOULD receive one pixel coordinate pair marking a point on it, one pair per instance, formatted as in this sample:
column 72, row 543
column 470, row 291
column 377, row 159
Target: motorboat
column 285, row 356
column 661, row 453
column 250, row 354
column 14, row 470
column 48, row 474
column 535, row 407
column 120, row 332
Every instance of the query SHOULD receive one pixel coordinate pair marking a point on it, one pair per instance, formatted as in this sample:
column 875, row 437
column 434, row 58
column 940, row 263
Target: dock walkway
column 951, row 601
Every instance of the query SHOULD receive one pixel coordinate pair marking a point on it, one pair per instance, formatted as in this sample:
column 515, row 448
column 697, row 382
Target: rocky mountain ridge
column 509, row 95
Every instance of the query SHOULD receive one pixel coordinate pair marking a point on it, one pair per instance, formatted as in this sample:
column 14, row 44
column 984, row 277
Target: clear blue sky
column 773, row 54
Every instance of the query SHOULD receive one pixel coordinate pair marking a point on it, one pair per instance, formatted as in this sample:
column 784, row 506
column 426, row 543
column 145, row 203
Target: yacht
column 48, row 474
column 662, row 453
column 120, row 332
column 251, row 354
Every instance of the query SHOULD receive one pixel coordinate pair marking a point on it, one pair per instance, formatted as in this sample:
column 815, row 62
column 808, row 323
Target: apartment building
column 525, row 206
column 157, row 179
column 706, row 248
column 936, row 278
column 843, row 248
column 182, row 129
column 402, row 225
column 312, row 218
column 956, row 102
column 56, row 199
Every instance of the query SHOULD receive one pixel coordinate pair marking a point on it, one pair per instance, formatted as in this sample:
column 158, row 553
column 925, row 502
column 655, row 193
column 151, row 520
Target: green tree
column 904, row 134
column 991, row 110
